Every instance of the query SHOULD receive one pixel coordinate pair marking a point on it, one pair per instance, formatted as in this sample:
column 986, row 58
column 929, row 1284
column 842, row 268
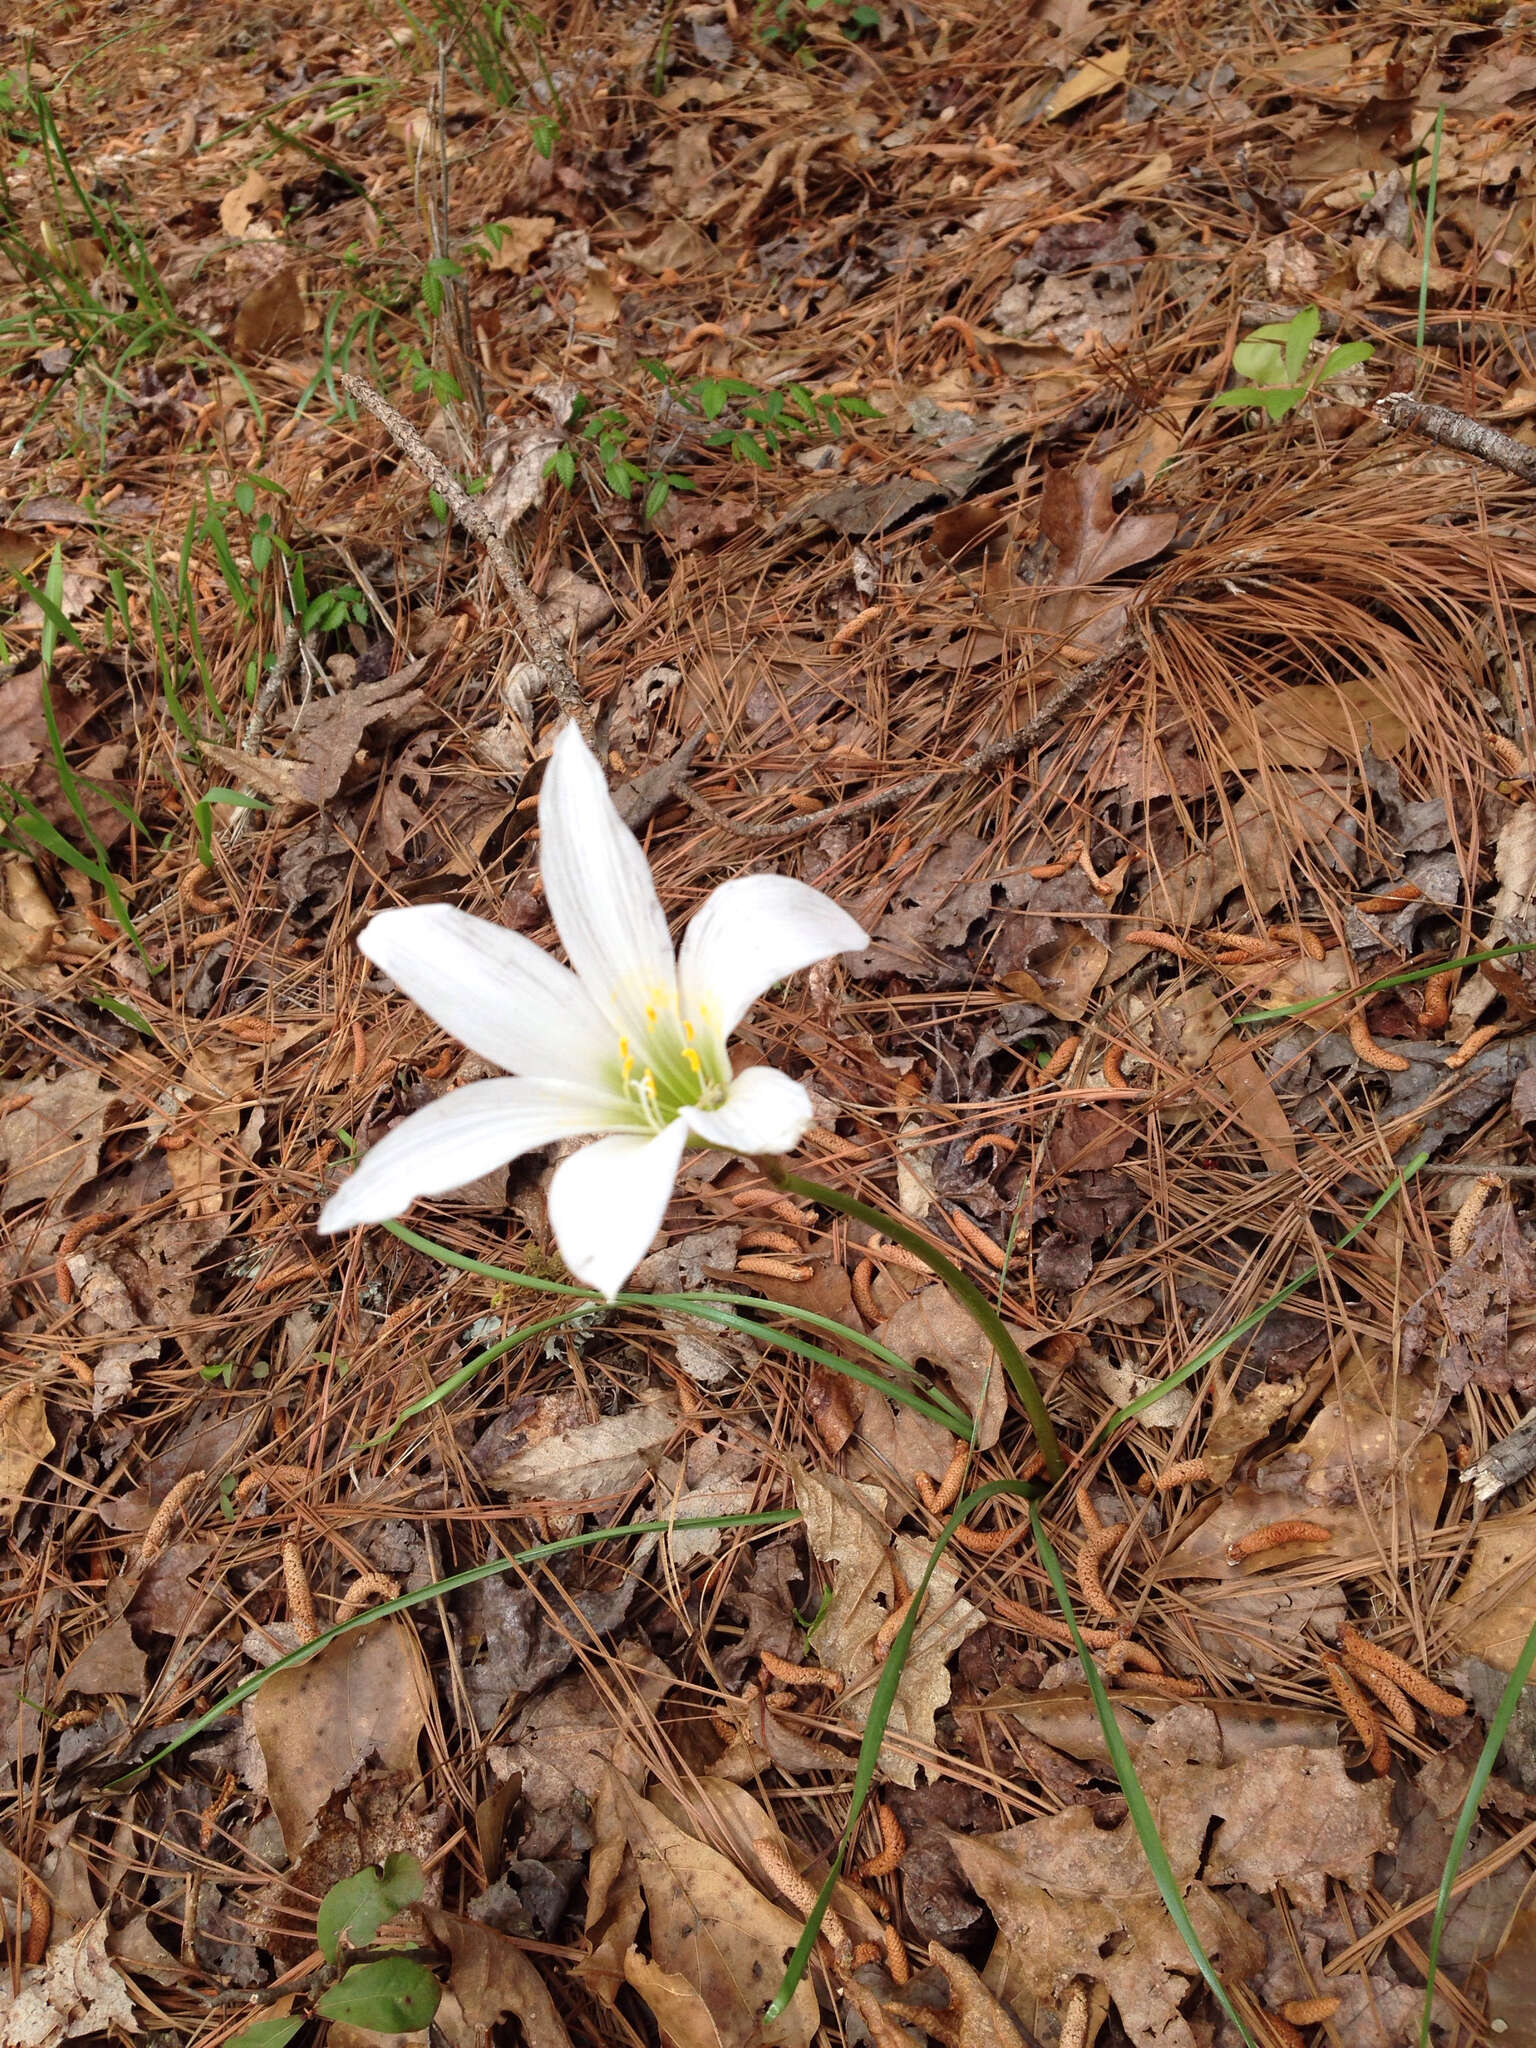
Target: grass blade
column 1136, row 1801
column 1208, row 1353
column 726, row 1309
column 1370, row 988
column 1498, row 1728
column 970, row 1297
column 874, row 1732
column 765, row 1518
column 1429, row 229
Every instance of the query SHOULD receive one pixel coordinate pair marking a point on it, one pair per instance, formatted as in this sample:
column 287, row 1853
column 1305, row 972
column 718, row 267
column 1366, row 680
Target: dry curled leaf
column 589, row 1462
column 717, row 1946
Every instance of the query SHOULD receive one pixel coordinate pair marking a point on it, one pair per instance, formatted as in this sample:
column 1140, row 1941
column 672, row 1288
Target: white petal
column 606, row 1203
column 496, row 991
column 765, row 1111
column 461, row 1136
column 600, row 891
column 749, row 934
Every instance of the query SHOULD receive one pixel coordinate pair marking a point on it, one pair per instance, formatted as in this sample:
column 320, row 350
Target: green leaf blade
column 393, row 1996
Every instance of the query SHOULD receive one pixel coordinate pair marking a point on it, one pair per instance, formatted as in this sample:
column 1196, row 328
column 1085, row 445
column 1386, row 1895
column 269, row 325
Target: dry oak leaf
column 1514, row 865
column 1356, row 1472
column 25, row 1440
column 1074, row 1900
column 1090, row 81
column 846, row 1527
column 1300, row 726
column 367, row 1693
column 52, row 1144
column 1093, row 541
column 1265, row 832
column 590, row 1462
column 110, row 1662
column 489, row 1976
column 327, row 737
column 932, row 1329
column 566, row 1742
column 239, row 207
column 1493, row 1610
column 1124, row 1939
column 373, row 1817
column 78, row 1991
column 515, row 241
column 974, row 2016
column 1067, row 1719
column 27, row 922
column 718, row 1947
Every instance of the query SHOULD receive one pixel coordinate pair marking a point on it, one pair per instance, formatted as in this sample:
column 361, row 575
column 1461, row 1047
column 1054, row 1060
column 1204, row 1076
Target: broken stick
column 1455, row 430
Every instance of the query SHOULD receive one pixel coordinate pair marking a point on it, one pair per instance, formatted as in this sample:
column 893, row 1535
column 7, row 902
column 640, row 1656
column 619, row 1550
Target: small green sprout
column 1274, row 360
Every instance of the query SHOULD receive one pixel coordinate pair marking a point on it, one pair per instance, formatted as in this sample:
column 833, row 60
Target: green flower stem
column 970, row 1297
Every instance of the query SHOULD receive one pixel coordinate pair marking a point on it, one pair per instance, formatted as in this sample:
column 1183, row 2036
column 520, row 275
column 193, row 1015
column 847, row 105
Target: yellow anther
column 688, row 1029
column 693, row 1060
column 650, row 1015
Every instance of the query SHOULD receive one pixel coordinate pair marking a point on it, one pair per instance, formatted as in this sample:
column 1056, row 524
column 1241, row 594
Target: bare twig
column 1454, row 430
column 548, row 655
column 1504, row 1462
column 1061, row 703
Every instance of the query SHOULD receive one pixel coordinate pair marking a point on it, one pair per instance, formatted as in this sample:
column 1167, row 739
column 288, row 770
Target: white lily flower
column 630, row 1046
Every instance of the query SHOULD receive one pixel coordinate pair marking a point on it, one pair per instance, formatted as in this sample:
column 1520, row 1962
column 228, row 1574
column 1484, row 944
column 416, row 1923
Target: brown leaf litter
column 1030, row 240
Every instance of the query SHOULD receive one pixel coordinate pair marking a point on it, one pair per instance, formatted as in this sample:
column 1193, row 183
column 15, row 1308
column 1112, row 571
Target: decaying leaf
column 1356, row 1472
column 565, row 1743
column 378, row 1814
column 25, row 1440
column 1493, row 1610
column 51, row 1144
column 1241, row 1424
column 365, row 1694
column 717, row 1945
column 328, row 736
column 1073, row 1900
column 489, row 1979
column 846, row 1526
column 79, row 1992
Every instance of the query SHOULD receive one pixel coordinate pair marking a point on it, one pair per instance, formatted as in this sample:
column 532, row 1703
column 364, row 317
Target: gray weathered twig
column 1074, row 692
column 1455, row 430
column 548, row 655
column 1504, row 1462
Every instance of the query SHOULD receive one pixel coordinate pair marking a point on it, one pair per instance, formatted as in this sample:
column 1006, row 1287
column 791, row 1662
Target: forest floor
column 843, row 380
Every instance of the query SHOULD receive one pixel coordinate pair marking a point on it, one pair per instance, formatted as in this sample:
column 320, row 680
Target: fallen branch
column 1454, row 430
column 1072, row 694
column 548, row 655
